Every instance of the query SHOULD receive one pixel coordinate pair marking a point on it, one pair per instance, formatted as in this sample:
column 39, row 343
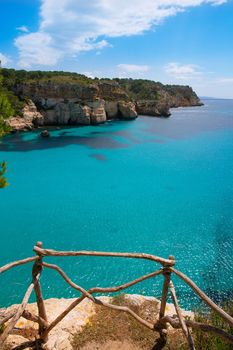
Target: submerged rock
column 45, row 133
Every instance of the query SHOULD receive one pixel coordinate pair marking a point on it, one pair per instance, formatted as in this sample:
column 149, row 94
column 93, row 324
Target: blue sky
column 173, row 41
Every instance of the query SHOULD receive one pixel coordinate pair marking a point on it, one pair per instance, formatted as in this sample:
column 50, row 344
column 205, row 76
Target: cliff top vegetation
column 135, row 88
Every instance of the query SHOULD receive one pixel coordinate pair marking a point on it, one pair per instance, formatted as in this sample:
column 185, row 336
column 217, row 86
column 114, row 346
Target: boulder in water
column 45, row 133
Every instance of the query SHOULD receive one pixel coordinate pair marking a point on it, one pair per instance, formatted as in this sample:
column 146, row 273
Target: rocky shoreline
column 65, row 99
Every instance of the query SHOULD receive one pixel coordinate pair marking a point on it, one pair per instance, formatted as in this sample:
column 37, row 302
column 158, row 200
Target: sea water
column 153, row 185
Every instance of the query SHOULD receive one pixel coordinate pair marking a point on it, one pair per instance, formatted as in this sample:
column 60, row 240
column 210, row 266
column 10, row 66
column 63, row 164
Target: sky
column 186, row 42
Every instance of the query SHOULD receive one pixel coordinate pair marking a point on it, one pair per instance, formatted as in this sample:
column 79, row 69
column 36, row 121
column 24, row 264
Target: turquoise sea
column 153, row 185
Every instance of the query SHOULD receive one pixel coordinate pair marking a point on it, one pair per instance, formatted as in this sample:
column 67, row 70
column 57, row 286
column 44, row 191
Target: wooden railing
column 9, row 319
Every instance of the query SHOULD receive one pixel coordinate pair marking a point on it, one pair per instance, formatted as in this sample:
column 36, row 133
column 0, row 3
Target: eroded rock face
column 111, row 109
column 111, row 91
column 93, row 102
column 31, row 114
column 98, row 114
column 127, row 110
column 19, row 124
column 78, row 104
column 30, row 118
column 153, row 109
column 79, row 115
column 42, row 92
column 73, row 113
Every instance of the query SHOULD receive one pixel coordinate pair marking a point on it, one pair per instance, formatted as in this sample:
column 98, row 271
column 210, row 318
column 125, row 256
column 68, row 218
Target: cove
column 153, row 185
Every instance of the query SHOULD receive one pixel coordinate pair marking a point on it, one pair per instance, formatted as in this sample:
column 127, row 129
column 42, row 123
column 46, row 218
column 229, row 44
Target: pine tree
column 5, row 107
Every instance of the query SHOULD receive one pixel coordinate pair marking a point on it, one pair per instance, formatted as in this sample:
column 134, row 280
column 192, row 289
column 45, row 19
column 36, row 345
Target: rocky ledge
column 61, row 337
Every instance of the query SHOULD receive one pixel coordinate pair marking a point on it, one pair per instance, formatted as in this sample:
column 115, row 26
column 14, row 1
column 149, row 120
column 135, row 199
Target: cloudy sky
column 172, row 41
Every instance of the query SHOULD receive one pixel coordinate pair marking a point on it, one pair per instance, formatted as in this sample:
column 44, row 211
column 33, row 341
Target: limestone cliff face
column 181, row 96
column 39, row 92
column 30, row 118
column 77, row 104
column 127, row 110
column 66, row 99
column 149, row 107
column 112, row 91
column 169, row 96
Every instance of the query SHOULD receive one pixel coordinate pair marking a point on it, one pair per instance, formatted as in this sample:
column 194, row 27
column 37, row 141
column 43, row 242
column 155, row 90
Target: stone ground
column 111, row 345
column 61, row 336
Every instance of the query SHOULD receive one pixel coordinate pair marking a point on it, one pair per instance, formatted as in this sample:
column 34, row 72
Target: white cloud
column 37, row 49
column 225, row 80
column 5, row 60
column 183, row 71
column 133, row 68
column 218, row 2
column 89, row 74
column 23, row 29
column 82, row 44
column 74, row 26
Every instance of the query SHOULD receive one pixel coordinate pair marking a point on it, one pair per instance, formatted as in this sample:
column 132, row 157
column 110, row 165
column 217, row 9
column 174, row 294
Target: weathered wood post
column 184, row 327
column 167, row 278
column 161, row 342
column 36, row 272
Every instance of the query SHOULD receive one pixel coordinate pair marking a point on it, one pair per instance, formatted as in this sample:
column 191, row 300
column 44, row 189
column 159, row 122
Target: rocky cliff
column 58, row 98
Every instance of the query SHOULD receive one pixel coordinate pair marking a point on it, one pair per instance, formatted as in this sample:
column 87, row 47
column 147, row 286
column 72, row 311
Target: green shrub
column 210, row 341
column 6, row 109
column 3, row 169
column 4, row 128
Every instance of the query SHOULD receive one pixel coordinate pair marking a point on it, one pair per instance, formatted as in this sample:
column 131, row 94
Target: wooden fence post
column 36, row 271
column 167, row 277
column 161, row 342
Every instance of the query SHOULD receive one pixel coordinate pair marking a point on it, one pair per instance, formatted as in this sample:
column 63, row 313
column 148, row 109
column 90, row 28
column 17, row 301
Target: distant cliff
column 61, row 98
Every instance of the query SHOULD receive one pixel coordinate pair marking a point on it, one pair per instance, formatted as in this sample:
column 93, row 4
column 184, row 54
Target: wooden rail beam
column 50, row 252
column 175, row 323
column 161, row 324
column 204, row 297
column 17, row 263
column 17, row 316
column 87, row 294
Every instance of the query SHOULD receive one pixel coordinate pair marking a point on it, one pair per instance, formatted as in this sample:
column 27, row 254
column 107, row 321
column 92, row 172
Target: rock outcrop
column 98, row 114
column 150, row 108
column 61, row 112
column 127, row 110
column 111, row 108
column 77, row 104
column 61, row 337
column 30, row 118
